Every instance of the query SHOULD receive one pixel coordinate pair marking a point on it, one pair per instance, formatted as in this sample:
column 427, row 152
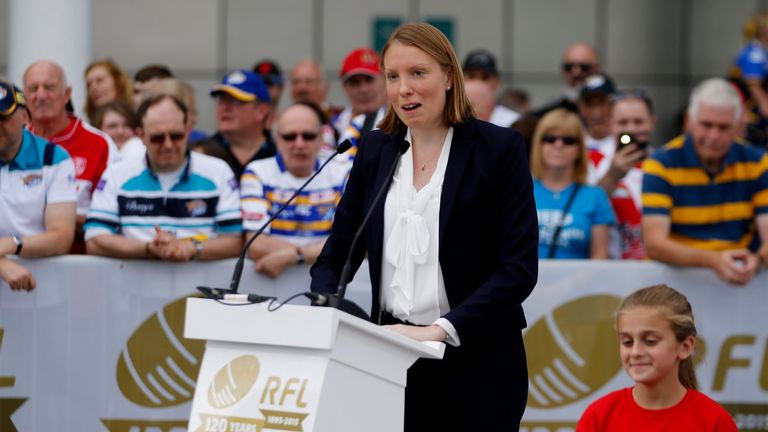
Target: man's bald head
column 308, row 83
column 580, row 60
column 481, row 98
column 45, row 86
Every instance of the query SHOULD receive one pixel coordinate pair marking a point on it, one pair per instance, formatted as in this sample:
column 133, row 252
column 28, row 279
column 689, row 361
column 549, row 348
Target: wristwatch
column 198, row 248
column 300, row 259
column 19, row 242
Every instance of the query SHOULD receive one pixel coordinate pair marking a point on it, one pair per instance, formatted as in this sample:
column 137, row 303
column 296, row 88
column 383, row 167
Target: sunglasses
column 567, row 140
column 306, row 136
column 159, row 138
column 586, row 67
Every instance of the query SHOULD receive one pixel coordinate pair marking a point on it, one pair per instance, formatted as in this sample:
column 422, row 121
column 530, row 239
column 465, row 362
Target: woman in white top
column 452, row 247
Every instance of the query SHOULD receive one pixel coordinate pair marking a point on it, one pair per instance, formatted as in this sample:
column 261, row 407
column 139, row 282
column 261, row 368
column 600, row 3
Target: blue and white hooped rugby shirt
column 41, row 173
column 267, row 184
column 129, row 200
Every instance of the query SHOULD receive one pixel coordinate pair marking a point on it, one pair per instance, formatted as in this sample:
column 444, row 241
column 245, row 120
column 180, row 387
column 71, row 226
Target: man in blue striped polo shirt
column 171, row 205
column 705, row 197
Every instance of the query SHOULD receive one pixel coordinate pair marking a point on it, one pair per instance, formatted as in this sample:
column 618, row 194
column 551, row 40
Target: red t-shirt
column 618, row 411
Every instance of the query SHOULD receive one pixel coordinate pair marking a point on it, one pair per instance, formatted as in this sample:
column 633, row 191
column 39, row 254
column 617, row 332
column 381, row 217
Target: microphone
column 238, row 273
column 338, row 300
column 341, row 304
column 219, row 294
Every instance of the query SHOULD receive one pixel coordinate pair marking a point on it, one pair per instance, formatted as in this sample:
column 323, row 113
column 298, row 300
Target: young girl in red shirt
column 657, row 336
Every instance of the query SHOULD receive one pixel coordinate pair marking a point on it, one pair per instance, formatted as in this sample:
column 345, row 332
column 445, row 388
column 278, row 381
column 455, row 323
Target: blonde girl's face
column 649, row 351
column 416, row 86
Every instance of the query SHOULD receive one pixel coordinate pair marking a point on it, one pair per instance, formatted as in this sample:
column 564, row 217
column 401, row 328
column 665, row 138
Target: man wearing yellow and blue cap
column 37, row 192
column 242, row 112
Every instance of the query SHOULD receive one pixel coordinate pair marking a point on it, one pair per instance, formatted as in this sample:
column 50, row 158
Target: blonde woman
column 574, row 218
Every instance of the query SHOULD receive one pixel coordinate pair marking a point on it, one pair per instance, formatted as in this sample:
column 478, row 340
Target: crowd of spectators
column 133, row 178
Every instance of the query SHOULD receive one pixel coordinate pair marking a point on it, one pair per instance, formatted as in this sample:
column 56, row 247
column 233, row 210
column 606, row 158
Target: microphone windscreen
column 344, row 146
column 404, row 146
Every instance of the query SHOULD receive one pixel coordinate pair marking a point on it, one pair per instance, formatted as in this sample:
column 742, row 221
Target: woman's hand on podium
column 420, row 333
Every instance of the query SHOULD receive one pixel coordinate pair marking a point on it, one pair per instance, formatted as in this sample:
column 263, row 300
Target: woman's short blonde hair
column 567, row 123
column 433, row 42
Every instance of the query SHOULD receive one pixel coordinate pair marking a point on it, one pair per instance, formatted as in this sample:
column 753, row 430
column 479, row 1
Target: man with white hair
column 47, row 92
column 705, row 197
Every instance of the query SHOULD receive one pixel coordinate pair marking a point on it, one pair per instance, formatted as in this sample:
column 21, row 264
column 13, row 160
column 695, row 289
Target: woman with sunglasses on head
column 451, row 247
column 574, row 218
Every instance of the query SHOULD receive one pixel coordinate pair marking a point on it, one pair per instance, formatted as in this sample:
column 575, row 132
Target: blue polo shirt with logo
column 41, row 173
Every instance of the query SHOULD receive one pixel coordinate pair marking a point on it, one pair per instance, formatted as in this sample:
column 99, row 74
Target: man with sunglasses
column 580, row 61
column 37, row 193
column 243, row 108
column 173, row 204
column 298, row 234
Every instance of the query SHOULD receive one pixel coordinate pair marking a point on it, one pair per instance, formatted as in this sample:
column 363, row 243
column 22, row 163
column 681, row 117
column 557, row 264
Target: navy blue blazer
column 488, row 227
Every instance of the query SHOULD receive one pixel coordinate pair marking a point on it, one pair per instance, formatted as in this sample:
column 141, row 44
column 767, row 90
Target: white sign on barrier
column 98, row 345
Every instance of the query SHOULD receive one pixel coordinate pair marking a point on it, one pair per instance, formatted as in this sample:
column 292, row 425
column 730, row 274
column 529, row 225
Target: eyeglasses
column 585, row 67
column 306, row 136
column 567, row 140
column 159, row 138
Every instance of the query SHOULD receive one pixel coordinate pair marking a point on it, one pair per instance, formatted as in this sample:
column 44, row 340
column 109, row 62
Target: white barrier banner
column 98, row 345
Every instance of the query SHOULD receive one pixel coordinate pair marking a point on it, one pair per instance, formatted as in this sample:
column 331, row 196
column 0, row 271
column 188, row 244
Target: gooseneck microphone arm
column 347, row 269
column 238, row 273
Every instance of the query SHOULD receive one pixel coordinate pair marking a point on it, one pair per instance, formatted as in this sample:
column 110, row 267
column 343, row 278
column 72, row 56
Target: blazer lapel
column 461, row 150
column 376, row 223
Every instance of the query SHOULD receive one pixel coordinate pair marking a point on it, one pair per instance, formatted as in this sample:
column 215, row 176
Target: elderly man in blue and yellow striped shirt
column 705, row 197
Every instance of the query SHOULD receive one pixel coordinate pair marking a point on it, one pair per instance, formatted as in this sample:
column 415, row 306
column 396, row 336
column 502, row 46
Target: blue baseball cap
column 11, row 98
column 243, row 85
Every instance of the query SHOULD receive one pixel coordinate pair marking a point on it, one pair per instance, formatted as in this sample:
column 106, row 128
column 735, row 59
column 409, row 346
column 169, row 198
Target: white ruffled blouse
column 411, row 278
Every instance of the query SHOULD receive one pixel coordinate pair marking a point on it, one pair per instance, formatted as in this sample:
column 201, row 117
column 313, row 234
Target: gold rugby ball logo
column 233, row 381
column 158, row 367
column 572, row 351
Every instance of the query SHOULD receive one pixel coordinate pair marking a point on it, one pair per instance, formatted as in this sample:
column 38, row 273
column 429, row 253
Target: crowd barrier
column 98, row 345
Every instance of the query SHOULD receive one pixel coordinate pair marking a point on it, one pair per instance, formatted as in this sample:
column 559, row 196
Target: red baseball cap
column 363, row 61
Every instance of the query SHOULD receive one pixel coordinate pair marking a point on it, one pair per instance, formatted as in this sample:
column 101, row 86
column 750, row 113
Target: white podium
column 299, row 368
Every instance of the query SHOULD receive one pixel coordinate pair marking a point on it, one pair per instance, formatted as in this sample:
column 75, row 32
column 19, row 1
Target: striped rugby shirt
column 713, row 212
column 129, row 200
column 267, row 184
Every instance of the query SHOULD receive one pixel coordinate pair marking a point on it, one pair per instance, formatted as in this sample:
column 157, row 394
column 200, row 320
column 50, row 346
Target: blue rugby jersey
column 129, row 200
column 41, row 173
column 266, row 184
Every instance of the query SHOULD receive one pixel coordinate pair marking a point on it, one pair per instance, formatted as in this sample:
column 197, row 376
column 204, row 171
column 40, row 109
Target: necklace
column 423, row 167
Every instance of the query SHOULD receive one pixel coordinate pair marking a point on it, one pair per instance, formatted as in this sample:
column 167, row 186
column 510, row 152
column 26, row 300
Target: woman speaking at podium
column 452, row 247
